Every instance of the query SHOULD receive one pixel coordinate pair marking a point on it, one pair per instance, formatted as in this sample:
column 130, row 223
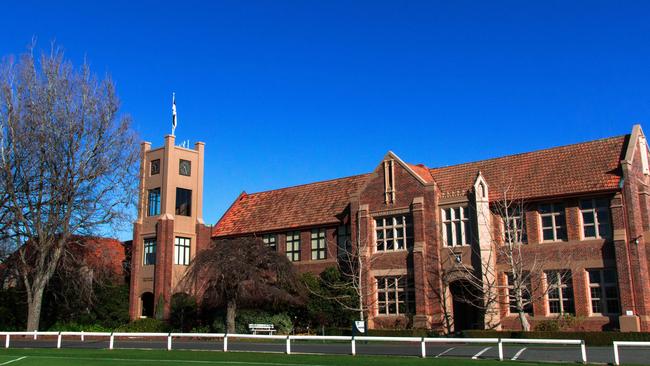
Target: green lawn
column 82, row 357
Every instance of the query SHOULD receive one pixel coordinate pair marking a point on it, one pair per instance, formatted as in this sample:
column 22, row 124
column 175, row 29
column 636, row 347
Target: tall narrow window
column 270, row 240
column 603, row 289
column 149, row 255
column 553, row 221
column 513, row 296
column 389, row 181
column 395, row 296
column 318, row 244
column 183, row 202
column 514, row 226
column 155, row 167
column 560, row 292
column 595, row 218
column 344, row 242
column 455, row 226
column 293, row 246
column 153, row 202
column 182, row 251
column 393, row 233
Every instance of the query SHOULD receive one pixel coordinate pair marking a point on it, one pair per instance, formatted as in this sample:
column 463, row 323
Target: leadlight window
column 293, row 246
column 149, row 256
column 393, row 233
column 155, row 167
column 553, row 221
column 270, row 240
column 318, row 244
column 153, row 202
column 595, row 218
column 455, row 226
column 514, row 226
column 395, row 296
column 603, row 288
column 183, row 202
column 560, row 292
column 182, row 251
column 525, row 294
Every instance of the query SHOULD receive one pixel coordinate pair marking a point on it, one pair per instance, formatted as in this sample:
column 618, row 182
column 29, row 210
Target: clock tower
column 169, row 229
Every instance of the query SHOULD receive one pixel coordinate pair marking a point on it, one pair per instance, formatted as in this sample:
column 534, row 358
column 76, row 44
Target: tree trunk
column 231, row 313
column 525, row 325
column 34, row 308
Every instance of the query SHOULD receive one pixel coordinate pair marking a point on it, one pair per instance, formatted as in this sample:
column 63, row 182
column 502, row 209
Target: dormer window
column 389, row 181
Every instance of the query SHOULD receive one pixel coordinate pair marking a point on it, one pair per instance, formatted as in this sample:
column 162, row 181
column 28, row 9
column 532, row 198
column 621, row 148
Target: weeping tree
column 242, row 270
column 67, row 164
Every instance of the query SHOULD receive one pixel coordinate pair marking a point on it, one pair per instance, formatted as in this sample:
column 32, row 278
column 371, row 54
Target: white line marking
column 204, row 362
column 516, row 356
column 443, row 352
column 476, row 356
column 18, row 359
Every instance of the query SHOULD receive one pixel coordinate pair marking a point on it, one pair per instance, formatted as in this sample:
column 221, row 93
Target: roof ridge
column 530, row 152
column 307, row 184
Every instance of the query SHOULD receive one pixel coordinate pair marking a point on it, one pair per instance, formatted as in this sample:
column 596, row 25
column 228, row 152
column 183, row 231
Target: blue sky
column 290, row 92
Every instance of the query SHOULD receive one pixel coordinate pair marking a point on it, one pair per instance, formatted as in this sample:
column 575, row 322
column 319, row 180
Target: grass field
column 69, row 357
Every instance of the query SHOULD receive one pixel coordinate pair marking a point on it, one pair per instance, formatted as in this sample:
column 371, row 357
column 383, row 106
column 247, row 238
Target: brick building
column 583, row 212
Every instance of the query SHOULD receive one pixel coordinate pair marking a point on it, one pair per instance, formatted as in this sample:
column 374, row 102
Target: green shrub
column 183, row 312
column 76, row 327
column 146, row 325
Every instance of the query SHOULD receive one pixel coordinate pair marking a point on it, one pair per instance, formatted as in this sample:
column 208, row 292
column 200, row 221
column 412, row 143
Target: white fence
column 626, row 344
column 422, row 341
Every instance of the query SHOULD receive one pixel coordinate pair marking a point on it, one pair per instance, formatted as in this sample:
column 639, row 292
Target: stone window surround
column 466, row 225
column 597, row 222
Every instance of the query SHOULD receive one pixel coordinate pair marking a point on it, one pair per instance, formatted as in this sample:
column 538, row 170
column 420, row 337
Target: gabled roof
column 585, row 167
column 580, row 168
column 305, row 205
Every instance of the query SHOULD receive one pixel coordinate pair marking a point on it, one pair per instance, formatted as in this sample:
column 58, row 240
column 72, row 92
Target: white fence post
column 583, row 350
column 35, row 334
column 354, row 346
column 58, row 341
column 423, row 348
column 8, row 336
column 225, row 343
column 169, row 342
column 82, row 336
column 111, row 341
column 288, row 345
column 500, row 350
column 616, row 360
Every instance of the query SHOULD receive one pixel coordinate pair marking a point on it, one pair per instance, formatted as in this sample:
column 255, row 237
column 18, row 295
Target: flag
column 173, row 112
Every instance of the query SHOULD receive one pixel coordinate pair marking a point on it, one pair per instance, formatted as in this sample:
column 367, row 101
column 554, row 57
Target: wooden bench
column 268, row 328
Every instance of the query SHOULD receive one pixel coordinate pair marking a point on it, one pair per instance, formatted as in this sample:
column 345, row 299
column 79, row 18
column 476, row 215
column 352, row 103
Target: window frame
column 597, row 212
column 270, row 241
column 603, row 285
column 149, row 251
column 158, row 204
column 189, row 203
column 182, row 250
column 453, row 223
column 564, row 280
column 517, row 216
column 557, row 210
column 382, row 240
column 293, row 253
column 528, row 309
column 395, row 286
column 318, row 244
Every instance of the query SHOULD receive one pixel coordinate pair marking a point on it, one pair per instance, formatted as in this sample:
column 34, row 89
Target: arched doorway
column 147, row 304
column 465, row 296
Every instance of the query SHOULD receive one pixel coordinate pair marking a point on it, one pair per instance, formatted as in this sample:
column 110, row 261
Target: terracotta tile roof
column 286, row 208
column 584, row 167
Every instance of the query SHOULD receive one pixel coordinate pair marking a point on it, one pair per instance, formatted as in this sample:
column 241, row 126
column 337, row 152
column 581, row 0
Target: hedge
column 590, row 338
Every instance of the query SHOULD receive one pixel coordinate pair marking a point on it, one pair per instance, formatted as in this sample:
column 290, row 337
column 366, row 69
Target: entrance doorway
column 147, row 304
column 465, row 296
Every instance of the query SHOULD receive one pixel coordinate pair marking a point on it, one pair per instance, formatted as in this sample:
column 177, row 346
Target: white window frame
column 596, row 211
column 515, row 222
column 389, row 230
column 603, row 286
column 318, row 244
column 512, row 298
column 564, row 280
column 149, row 248
column 270, row 240
column 450, row 221
column 557, row 210
column 292, row 238
column 182, row 247
column 399, row 288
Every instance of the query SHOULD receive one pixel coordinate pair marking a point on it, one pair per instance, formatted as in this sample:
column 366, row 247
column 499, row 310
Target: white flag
column 173, row 112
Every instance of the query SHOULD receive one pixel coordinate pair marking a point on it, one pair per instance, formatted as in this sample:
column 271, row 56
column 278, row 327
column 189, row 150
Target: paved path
column 603, row 355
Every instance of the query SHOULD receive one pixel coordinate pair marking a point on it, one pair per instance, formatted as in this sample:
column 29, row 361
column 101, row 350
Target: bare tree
column 67, row 163
column 239, row 270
